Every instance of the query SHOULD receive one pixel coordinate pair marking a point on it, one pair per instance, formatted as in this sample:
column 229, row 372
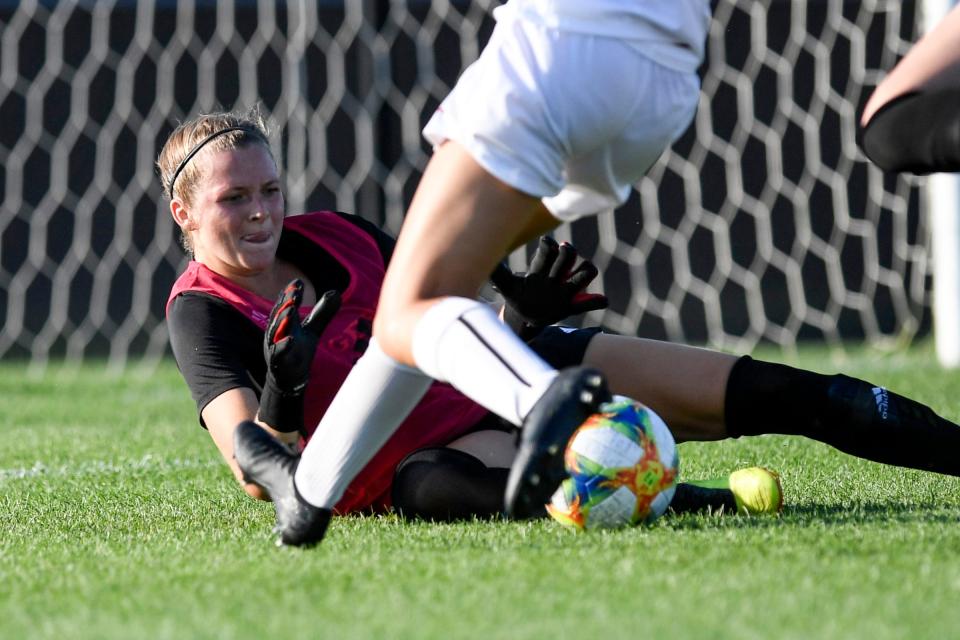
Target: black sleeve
column 216, row 347
column 385, row 242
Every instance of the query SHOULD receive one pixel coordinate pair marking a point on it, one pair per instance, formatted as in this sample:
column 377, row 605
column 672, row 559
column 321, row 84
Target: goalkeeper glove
column 288, row 348
column 550, row 291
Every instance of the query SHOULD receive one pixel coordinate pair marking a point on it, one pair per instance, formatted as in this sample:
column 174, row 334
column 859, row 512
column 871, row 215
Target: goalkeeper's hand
column 288, row 349
column 553, row 288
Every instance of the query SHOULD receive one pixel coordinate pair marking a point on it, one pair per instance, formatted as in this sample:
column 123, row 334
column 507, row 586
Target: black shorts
column 561, row 347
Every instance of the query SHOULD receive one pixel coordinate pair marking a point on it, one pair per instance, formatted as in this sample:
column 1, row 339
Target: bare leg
column 685, row 385
column 933, row 63
column 462, row 221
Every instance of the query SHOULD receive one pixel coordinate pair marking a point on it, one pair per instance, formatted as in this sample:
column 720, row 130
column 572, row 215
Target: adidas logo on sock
column 882, row 400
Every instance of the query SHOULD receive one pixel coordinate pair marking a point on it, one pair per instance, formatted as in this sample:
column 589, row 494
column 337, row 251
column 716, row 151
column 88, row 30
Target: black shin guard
column 446, row 484
column 890, row 428
column 854, row 416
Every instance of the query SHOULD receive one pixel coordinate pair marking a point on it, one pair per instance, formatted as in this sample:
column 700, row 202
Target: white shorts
column 572, row 118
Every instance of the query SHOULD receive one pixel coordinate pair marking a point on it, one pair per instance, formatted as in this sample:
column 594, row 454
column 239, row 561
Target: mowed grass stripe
column 147, row 463
column 130, row 526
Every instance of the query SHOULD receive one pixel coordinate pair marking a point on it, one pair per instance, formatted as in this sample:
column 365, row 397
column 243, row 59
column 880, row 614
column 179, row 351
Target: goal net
column 764, row 223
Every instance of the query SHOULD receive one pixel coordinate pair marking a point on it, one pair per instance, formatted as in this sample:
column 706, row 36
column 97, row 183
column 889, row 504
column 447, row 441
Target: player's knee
column 255, row 491
column 385, row 329
column 394, row 328
column 416, row 492
column 446, row 484
column 392, row 339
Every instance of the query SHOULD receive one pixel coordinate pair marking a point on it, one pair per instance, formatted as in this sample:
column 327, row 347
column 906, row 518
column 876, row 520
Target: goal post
column 943, row 193
column 943, row 197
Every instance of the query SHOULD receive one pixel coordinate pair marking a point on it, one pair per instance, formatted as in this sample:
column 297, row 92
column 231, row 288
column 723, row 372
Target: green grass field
column 119, row 521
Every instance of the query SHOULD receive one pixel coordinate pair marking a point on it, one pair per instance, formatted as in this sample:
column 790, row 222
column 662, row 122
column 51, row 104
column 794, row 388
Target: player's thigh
column 685, row 385
column 461, row 222
column 494, row 448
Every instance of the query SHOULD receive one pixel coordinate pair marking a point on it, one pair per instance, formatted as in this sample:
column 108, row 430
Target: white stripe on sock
column 463, row 342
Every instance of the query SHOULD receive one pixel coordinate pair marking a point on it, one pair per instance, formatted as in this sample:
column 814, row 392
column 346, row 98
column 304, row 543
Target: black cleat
column 266, row 462
column 538, row 470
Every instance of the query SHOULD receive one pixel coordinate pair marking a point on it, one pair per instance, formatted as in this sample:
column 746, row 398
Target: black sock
column 446, row 484
column 852, row 415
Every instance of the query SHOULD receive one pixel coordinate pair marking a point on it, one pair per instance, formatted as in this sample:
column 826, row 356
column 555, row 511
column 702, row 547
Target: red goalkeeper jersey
column 442, row 416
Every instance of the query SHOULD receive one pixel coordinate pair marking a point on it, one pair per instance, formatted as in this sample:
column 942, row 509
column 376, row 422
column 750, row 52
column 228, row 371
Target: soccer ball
column 623, row 469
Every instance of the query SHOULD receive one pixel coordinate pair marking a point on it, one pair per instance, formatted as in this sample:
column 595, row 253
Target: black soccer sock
column 852, row 415
column 917, row 132
column 446, row 484
column 763, row 397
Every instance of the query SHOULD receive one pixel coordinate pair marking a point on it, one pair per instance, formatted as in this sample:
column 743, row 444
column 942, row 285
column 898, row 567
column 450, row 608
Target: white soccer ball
column 623, row 467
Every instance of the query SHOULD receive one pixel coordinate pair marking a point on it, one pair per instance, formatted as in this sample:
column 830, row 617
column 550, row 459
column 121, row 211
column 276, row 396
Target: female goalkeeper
column 235, row 323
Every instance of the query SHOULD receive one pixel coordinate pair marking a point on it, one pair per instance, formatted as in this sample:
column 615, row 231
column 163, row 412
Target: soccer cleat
column 755, row 490
column 266, row 462
column 572, row 397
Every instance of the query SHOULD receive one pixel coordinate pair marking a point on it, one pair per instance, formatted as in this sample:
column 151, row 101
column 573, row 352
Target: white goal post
column 763, row 224
column 943, row 195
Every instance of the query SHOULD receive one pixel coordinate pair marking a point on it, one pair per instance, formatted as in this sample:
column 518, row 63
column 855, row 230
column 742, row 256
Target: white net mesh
column 765, row 223
column 762, row 224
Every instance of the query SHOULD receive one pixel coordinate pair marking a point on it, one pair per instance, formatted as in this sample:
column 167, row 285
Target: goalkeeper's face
column 236, row 212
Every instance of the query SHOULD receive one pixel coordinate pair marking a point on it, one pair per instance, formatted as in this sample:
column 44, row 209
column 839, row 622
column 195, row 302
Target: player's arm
column 224, row 413
column 912, row 120
column 219, row 355
column 288, row 348
column 554, row 288
column 221, row 416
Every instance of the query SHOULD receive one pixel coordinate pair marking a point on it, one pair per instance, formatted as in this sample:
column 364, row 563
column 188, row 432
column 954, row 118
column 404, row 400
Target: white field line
column 102, row 467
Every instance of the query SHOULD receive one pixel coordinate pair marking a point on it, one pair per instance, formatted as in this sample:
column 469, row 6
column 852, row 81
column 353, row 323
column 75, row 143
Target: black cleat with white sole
column 266, row 462
column 537, row 471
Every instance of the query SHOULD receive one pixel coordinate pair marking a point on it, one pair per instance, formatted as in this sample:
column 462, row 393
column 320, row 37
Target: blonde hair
column 219, row 131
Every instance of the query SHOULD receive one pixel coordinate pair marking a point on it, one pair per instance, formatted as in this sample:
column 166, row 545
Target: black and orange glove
column 288, row 349
column 553, row 288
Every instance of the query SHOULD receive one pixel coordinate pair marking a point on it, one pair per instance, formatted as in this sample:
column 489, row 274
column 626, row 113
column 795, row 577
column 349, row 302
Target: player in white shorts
column 579, row 138
column 569, row 104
